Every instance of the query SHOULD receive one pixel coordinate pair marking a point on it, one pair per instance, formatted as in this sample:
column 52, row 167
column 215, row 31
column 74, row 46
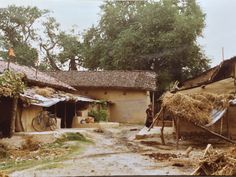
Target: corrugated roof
column 139, row 80
column 42, row 79
column 222, row 71
column 43, row 101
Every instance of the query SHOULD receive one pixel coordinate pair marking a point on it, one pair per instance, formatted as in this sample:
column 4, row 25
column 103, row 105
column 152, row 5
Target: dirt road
column 114, row 152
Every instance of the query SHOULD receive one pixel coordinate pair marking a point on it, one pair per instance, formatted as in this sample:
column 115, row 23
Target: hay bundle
column 216, row 163
column 46, row 91
column 196, row 108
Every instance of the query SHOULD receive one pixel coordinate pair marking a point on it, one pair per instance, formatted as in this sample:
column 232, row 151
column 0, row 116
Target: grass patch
column 72, row 137
column 51, row 166
column 47, row 155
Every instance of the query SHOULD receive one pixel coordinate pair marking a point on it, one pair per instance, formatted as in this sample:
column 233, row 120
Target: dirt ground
column 115, row 151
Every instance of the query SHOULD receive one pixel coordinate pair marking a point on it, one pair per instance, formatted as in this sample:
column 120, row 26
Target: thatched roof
column 137, row 80
column 198, row 108
column 222, row 71
column 42, row 79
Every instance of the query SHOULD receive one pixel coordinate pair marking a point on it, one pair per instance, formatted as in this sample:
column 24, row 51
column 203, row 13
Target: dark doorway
column 5, row 116
column 65, row 111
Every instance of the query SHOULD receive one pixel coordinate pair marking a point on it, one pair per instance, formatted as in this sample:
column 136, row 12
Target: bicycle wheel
column 53, row 123
column 38, row 123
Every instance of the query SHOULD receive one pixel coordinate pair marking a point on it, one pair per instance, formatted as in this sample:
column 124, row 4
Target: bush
column 100, row 115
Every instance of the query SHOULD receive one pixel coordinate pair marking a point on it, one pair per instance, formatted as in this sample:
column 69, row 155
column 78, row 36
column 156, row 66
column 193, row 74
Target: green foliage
column 11, row 84
column 148, row 35
column 17, row 28
column 60, row 47
column 99, row 115
column 70, row 46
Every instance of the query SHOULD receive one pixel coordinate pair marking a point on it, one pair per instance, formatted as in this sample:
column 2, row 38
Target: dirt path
column 113, row 153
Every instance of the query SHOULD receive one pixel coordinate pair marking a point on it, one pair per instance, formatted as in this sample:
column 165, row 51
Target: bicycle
column 44, row 121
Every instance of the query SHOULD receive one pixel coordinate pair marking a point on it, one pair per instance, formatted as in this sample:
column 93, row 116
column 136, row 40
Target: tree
column 60, row 47
column 17, row 31
column 148, row 35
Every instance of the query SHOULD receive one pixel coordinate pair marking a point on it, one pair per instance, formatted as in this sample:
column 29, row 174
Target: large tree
column 148, row 35
column 50, row 45
column 60, row 48
column 17, row 30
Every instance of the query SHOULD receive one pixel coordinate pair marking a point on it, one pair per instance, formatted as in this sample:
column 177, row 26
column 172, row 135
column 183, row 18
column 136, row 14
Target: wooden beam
column 221, row 125
column 65, row 117
column 177, row 133
column 227, row 124
column 162, row 128
column 153, row 104
column 215, row 134
column 155, row 119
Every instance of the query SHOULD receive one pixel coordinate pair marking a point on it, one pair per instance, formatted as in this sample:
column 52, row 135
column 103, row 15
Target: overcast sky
column 219, row 32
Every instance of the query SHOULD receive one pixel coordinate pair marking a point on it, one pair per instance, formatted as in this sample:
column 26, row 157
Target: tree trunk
column 13, row 116
column 53, row 64
column 73, row 65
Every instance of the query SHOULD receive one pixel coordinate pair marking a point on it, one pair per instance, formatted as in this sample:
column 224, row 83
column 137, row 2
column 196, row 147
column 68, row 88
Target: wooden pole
column 13, row 116
column 177, row 133
column 162, row 128
column 228, row 128
column 221, row 125
column 8, row 64
column 155, row 119
column 216, row 134
column 153, row 104
column 65, row 116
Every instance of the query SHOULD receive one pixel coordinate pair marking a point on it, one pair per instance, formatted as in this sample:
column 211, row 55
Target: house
column 42, row 93
column 217, row 80
column 130, row 92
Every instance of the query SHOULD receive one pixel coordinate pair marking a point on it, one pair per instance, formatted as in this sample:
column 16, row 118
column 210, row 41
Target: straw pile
column 216, row 163
column 45, row 91
column 196, row 108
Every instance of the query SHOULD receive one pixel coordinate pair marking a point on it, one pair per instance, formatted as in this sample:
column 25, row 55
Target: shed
column 218, row 80
column 63, row 95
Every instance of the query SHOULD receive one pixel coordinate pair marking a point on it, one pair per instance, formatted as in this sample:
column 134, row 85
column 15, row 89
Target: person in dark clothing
column 149, row 119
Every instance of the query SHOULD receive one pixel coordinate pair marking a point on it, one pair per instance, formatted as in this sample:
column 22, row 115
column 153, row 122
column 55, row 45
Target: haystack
column 45, row 91
column 196, row 108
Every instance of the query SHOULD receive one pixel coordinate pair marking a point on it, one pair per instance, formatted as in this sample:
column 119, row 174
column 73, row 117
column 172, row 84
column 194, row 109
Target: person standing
column 149, row 118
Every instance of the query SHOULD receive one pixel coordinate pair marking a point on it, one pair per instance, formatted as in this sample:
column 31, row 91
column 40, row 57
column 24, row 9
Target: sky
column 219, row 31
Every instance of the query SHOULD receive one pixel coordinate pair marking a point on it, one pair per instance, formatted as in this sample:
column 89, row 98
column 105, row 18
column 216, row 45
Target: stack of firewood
column 217, row 163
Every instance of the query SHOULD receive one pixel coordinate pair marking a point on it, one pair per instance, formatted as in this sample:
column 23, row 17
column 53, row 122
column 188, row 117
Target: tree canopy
column 148, row 35
column 160, row 36
column 52, row 46
column 17, row 31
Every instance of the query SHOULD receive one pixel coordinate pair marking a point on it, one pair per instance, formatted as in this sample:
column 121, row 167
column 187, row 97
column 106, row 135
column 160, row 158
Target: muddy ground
column 115, row 151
